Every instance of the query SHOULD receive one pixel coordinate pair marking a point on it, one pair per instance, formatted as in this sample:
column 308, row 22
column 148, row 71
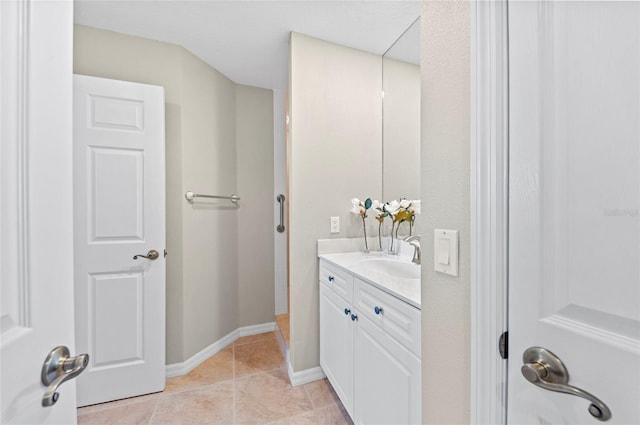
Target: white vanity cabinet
column 369, row 349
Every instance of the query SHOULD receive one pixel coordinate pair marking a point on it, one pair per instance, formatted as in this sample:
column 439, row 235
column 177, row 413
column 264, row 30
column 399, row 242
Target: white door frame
column 489, row 209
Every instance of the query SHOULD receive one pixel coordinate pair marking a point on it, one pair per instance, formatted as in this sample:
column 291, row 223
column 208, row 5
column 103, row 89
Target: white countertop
column 407, row 290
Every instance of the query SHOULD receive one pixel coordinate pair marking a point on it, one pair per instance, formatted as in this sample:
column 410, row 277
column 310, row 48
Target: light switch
column 445, row 251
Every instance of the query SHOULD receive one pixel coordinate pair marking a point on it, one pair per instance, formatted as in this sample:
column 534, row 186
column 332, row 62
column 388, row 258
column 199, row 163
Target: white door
column 36, row 242
column 119, row 211
column 574, row 245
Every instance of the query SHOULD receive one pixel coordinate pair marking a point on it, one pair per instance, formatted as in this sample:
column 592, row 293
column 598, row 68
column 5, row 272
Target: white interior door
column 574, row 245
column 36, row 242
column 119, row 189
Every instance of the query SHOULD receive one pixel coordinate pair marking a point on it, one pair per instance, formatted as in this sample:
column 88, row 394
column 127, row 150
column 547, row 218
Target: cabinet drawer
column 338, row 280
column 400, row 320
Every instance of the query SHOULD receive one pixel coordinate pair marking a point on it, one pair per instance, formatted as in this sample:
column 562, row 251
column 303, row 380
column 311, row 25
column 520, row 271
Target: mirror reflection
column 401, row 116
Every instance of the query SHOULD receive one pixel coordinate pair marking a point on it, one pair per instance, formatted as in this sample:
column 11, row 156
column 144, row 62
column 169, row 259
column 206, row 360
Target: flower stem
column 393, row 223
column 364, row 230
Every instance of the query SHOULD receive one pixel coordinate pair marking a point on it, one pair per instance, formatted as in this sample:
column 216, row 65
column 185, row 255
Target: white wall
column 335, row 154
column 445, row 70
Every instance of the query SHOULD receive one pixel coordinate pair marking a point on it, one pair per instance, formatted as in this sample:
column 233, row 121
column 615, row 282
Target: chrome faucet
column 414, row 241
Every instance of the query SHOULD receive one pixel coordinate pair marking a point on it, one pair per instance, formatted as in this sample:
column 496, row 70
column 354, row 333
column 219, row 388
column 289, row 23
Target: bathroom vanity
column 370, row 335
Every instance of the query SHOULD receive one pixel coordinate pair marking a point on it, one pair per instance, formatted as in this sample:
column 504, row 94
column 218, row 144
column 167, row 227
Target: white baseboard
column 304, row 376
column 178, row 369
column 256, row 329
column 283, row 345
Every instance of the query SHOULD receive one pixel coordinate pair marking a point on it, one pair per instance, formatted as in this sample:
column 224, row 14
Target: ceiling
column 248, row 40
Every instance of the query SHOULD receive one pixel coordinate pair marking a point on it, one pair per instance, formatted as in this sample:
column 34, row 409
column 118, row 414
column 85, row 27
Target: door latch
column 503, row 345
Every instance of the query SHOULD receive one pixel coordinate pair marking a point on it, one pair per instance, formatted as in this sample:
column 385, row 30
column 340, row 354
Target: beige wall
column 204, row 296
column 445, row 69
column 209, row 255
column 254, row 135
column 335, row 154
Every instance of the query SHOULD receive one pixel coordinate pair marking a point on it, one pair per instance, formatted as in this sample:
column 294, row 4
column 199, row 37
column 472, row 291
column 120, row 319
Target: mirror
column 401, row 117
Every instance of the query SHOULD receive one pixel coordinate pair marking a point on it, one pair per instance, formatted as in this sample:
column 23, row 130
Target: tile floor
column 245, row 383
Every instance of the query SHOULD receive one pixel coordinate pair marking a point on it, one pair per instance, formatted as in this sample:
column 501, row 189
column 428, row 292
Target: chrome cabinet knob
column 151, row 255
column 543, row 368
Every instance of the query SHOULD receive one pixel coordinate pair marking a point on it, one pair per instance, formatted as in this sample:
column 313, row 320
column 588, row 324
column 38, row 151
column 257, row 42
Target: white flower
column 416, row 206
column 357, row 209
column 377, row 207
column 404, row 203
column 392, row 207
column 358, row 206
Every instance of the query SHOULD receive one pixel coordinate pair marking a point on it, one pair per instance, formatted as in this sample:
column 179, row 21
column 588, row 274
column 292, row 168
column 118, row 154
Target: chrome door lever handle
column 151, row 255
column 544, row 369
column 58, row 368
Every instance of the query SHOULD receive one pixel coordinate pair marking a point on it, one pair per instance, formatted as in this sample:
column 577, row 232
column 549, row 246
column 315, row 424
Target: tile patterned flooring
column 245, row 383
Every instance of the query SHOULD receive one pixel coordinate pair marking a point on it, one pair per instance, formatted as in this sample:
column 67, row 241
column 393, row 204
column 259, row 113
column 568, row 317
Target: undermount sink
column 395, row 268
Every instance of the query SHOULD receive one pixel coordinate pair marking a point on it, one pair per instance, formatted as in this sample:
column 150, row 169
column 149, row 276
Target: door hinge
column 503, row 345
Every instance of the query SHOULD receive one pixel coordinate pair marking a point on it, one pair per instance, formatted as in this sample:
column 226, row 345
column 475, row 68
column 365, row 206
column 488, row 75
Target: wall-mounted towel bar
column 280, row 227
column 190, row 195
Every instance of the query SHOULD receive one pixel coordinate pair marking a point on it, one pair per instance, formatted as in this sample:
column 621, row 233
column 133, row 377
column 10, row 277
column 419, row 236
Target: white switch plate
column 445, row 251
column 335, row 225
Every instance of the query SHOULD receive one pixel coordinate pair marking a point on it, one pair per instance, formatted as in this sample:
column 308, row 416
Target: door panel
column 117, row 339
column 574, row 242
column 119, row 213
column 116, row 179
column 36, row 243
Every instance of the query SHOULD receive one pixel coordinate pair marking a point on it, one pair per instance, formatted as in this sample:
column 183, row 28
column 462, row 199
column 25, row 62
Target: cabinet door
column 336, row 345
column 387, row 378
